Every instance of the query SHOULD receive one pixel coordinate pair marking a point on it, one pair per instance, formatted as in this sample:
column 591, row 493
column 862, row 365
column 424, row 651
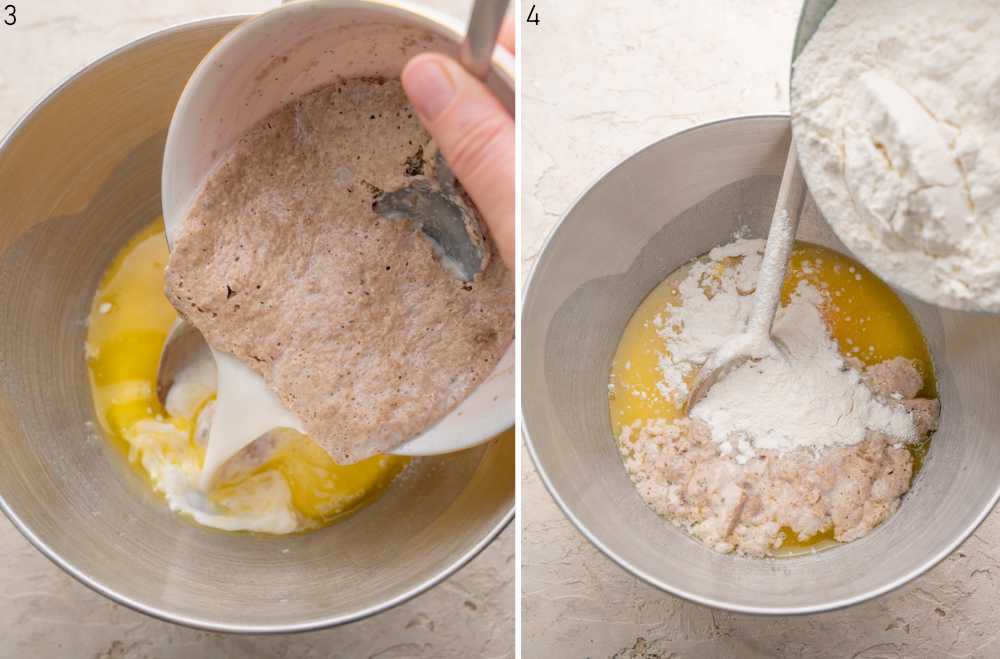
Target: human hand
column 474, row 132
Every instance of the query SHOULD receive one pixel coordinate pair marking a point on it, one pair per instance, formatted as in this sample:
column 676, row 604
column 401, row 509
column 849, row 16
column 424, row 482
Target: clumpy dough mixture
column 896, row 111
column 807, row 442
column 349, row 317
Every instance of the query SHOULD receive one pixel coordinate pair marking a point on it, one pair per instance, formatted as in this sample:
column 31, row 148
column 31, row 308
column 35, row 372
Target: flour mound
column 807, row 398
column 895, row 110
column 714, row 308
column 350, row 318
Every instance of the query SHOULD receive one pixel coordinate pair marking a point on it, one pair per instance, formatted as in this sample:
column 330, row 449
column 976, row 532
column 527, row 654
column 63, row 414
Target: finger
column 507, row 34
column 475, row 134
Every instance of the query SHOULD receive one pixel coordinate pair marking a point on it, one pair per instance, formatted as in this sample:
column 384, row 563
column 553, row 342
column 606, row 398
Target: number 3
column 11, row 15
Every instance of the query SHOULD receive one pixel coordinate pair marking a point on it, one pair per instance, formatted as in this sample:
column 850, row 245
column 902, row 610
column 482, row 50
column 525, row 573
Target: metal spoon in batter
column 756, row 341
column 436, row 203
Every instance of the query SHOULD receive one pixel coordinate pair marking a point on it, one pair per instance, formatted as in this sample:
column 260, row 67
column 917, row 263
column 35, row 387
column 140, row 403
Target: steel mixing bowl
column 80, row 174
column 668, row 203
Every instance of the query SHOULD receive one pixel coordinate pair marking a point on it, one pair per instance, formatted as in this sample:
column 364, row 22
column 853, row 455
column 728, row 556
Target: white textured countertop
column 599, row 84
column 44, row 612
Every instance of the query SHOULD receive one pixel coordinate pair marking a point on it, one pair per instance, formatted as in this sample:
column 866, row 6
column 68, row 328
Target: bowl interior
column 291, row 51
column 80, row 175
column 671, row 202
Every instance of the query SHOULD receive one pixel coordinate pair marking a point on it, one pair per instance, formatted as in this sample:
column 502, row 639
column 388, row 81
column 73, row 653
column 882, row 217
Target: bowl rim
column 152, row 610
column 629, row 567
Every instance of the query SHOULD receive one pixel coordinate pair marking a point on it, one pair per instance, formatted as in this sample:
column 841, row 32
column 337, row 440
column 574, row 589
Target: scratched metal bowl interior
column 668, row 203
column 80, row 175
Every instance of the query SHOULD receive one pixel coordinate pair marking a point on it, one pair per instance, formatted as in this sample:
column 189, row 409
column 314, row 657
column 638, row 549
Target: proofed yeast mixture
column 864, row 317
column 350, row 318
column 291, row 485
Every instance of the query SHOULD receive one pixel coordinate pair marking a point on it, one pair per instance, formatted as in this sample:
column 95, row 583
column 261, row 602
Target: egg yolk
column 128, row 324
column 865, row 317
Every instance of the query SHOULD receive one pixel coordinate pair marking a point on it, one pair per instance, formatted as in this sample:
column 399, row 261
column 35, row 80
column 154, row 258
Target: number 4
column 532, row 15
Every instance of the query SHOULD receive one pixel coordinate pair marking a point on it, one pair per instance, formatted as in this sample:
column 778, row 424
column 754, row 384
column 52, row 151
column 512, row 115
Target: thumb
column 475, row 134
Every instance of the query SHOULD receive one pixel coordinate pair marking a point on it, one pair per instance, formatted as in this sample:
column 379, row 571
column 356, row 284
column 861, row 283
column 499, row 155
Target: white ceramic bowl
column 293, row 50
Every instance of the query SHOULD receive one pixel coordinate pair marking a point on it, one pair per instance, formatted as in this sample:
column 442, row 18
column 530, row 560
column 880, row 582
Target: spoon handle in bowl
column 780, row 240
column 481, row 36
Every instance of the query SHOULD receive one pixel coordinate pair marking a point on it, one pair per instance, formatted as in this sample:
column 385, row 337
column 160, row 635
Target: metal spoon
column 756, row 341
column 437, row 203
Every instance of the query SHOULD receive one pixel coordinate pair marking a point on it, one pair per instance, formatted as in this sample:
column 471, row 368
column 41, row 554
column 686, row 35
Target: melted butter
column 128, row 324
column 864, row 315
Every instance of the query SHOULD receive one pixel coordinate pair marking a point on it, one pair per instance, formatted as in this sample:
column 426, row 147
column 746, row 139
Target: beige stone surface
column 601, row 82
column 45, row 613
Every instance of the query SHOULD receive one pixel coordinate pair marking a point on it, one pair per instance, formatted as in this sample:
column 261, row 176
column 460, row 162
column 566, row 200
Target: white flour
column 696, row 329
column 810, row 399
column 896, row 114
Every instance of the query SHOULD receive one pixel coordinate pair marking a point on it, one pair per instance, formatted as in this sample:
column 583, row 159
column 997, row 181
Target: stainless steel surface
column 80, row 174
column 437, row 205
column 476, row 51
column 666, row 204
